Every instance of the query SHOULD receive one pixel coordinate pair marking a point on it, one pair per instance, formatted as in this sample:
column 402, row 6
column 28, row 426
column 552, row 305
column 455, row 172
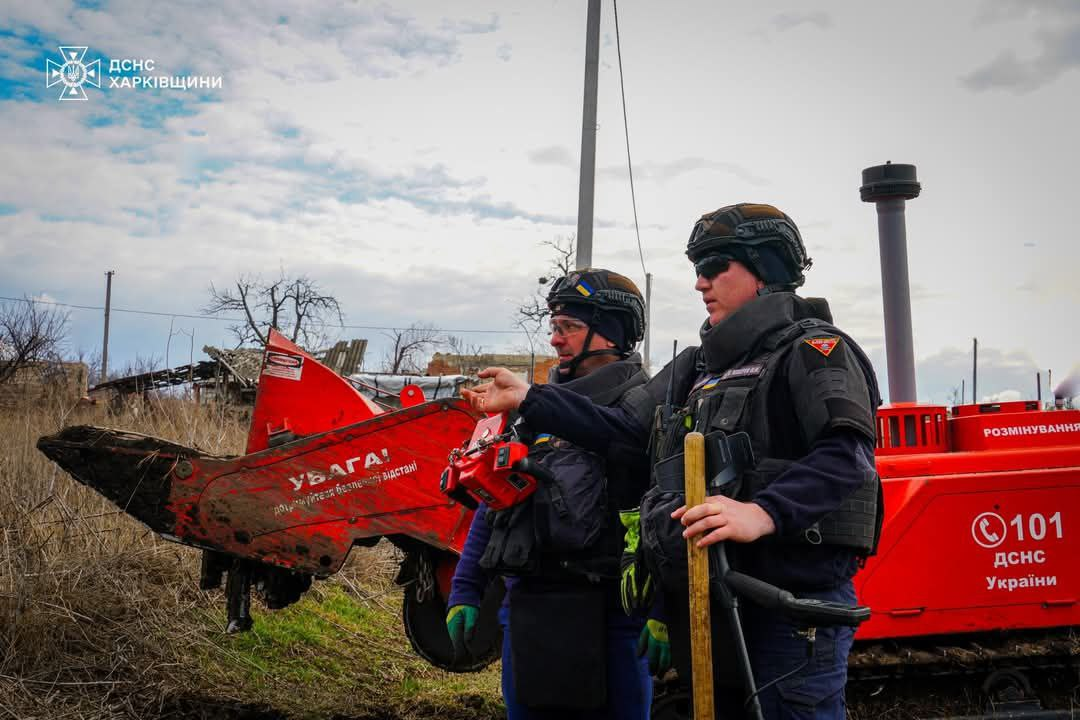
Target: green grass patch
column 336, row 654
column 102, row 620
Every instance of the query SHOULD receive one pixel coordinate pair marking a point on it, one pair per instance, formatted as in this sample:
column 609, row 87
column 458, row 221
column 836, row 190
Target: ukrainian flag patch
column 542, row 438
column 583, row 288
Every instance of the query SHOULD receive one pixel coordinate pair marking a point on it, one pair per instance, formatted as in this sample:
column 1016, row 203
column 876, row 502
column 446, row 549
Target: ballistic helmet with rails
column 609, row 303
column 760, row 236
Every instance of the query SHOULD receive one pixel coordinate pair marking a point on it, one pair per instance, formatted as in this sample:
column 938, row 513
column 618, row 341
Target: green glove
column 461, row 625
column 653, row 644
column 636, row 589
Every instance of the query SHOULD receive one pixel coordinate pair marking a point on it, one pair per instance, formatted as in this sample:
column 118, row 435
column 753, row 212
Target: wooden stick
column 698, row 565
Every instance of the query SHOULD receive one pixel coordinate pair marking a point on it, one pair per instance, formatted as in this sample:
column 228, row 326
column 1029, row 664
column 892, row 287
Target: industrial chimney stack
column 889, row 187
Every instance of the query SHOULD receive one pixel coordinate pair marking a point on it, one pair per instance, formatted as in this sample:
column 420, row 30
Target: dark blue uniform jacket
column 816, row 485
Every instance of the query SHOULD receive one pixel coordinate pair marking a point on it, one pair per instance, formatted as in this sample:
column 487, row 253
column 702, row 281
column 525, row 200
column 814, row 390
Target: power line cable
column 626, row 129
column 240, row 320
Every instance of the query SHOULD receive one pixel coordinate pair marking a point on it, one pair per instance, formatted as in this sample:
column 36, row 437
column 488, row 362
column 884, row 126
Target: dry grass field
column 100, row 618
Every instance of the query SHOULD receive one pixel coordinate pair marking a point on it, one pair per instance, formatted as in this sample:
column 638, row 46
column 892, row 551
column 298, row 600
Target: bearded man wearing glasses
column 569, row 649
column 803, row 515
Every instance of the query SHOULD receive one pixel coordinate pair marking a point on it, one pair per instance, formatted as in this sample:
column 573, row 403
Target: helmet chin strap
column 777, row 287
column 571, row 365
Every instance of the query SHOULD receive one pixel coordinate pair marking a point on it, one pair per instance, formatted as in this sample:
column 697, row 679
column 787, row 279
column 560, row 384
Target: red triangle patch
column 823, row 345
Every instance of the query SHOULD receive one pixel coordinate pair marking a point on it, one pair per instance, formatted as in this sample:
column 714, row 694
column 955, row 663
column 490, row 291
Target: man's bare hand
column 506, row 391
column 721, row 518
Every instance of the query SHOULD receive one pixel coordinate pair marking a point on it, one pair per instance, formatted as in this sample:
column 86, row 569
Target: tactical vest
column 753, row 398
column 569, row 527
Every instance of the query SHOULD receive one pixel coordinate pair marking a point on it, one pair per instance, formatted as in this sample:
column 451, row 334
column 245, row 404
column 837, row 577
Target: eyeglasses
column 712, row 265
column 562, row 328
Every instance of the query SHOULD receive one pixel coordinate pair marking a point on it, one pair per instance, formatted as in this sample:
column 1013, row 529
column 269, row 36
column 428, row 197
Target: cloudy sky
column 413, row 157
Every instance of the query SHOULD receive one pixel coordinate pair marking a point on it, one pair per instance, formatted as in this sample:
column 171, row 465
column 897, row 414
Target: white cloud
column 666, row 171
column 1004, row 396
column 417, row 162
column 1056, row 35
column 553, row 155
column 789, row 20
column 941, row 376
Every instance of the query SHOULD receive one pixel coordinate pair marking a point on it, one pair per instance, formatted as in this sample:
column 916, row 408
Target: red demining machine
column 325, row 469
column 977, row 575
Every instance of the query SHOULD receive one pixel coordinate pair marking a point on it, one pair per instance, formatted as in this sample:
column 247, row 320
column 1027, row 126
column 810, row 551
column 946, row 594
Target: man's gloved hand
column 653, row 644
column 461, row 625
column 636, row 589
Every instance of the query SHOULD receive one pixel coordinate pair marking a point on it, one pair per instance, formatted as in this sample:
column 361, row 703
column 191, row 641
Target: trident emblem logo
column 73, row 73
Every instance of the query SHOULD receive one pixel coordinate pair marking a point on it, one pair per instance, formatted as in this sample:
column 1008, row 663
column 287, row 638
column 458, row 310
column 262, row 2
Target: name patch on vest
column 744, row 371
column 825, row 345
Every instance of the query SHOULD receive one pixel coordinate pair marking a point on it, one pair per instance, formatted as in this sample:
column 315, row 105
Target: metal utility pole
column 890, row 187
column 105, row 342
column 588, row 138
column 974, row 370
column 648, row 319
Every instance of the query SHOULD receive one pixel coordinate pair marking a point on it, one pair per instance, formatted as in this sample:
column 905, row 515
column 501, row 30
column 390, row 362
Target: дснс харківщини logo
column 73, row 73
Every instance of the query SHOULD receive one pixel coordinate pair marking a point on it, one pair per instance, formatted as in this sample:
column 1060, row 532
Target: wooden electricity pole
column 105, row 342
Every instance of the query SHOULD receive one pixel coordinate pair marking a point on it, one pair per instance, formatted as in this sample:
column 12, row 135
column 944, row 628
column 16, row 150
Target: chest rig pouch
column 727, row 457
column 569, row 528
column 560, row 523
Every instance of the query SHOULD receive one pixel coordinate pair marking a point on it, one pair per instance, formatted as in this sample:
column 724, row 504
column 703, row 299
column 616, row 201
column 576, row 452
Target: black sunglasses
column 712, row 265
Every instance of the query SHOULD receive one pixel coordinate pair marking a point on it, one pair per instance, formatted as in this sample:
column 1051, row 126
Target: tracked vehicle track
column 951, row 655
column 1032, row 674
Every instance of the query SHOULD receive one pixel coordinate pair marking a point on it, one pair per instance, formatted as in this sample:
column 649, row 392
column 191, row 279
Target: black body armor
column 570, row 527
column 779, row 371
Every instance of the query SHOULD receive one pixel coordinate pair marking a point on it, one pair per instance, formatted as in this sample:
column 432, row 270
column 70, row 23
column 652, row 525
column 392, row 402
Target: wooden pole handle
column 698, row 566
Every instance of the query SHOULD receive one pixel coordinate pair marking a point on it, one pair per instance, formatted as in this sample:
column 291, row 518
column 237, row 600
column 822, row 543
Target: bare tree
column 92, row 361
column 30, row 333
column 296, row 306
column 469, row 355
column 141, row 365
column 460, row 346
column 408, row 347
column 562, row 259
column 533, row 312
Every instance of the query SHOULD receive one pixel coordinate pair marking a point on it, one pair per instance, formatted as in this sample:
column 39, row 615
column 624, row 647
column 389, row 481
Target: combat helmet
column 760, row 236
column 609, row 303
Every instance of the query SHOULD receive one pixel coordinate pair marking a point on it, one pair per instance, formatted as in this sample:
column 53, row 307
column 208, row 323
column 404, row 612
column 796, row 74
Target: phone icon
column 988, row 530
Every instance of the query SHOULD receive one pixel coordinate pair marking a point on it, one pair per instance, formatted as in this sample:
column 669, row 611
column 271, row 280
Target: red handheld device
column 486, row 470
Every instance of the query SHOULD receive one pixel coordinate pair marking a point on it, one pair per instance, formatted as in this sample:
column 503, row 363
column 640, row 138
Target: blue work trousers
column 629, row 685
column 816, row 692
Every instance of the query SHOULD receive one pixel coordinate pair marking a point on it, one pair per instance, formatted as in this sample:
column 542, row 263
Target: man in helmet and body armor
column 569, row 650
column 805, row 514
